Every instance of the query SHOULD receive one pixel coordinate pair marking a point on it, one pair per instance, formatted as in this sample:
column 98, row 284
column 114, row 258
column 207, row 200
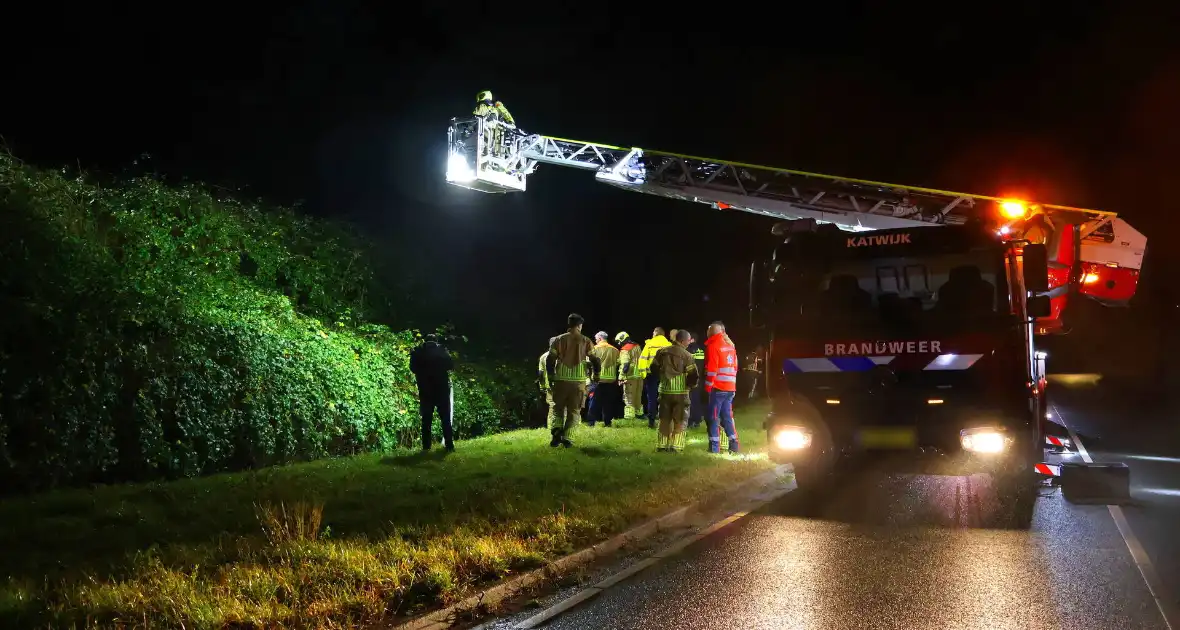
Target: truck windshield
column 883, row 297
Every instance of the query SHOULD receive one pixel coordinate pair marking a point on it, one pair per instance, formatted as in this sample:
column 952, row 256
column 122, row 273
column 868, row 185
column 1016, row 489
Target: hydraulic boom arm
column 488, row 157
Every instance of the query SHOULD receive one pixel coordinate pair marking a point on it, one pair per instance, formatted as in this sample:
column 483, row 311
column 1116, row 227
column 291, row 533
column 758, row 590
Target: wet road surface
column 892, row 551
column 1117, row 425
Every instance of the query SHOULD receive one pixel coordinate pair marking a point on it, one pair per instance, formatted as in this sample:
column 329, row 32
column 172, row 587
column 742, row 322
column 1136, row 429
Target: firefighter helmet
column 621, row 336
column 485, row 95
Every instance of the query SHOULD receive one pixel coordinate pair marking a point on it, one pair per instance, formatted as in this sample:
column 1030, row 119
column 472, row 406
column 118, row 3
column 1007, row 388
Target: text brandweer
column 877, row 348
column 884, row 239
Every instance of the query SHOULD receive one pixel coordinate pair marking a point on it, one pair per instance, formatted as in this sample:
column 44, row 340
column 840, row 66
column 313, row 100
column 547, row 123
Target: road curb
column 446, row 617
column 671, row 550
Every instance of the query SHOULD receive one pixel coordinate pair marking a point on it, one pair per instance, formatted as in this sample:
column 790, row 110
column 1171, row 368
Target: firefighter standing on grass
column 566, row 368
column 630, row 382
column 603, row 403
column 543, row 378
column 677, row 373
column 651, row 381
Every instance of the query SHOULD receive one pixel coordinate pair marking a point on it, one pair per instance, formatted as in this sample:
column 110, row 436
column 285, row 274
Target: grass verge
column 340, row 542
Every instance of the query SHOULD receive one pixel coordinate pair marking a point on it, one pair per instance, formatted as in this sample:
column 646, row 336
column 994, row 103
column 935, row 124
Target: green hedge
column 159, row 331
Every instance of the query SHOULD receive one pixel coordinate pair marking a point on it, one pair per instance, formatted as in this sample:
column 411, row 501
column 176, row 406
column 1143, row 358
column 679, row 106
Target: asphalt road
column 1118, row 424
column 905, row 551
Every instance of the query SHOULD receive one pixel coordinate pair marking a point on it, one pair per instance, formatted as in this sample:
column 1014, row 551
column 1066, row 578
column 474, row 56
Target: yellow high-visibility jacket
column 497, row 109
column 650, row 348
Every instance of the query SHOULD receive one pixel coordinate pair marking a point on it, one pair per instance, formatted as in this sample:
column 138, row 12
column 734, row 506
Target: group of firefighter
column 579, row 374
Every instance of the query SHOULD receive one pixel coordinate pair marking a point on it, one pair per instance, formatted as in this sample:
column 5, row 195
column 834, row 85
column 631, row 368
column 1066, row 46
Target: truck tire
column 1016, row 486
column 805, row 476
column 815, row 474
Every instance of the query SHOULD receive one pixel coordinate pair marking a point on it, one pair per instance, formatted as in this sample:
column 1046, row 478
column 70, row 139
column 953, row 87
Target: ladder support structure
column 488, row 156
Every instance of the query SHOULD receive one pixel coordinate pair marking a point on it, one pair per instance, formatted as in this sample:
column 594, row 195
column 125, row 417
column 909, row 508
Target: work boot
column 566, row 443
column 556, row 441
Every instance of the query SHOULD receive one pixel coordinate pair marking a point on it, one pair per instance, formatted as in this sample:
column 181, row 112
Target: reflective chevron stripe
column 1053, row 440
column 953, row 361
column 834, row 364
column 1049, row 470
column 864, row 364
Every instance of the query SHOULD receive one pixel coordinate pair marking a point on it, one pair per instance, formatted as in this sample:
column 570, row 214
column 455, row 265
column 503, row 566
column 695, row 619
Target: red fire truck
column 902, row 319
column 910, row 340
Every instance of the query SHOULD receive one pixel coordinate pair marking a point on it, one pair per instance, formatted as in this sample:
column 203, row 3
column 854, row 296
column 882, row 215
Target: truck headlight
column 792, row 438
column 985, row 440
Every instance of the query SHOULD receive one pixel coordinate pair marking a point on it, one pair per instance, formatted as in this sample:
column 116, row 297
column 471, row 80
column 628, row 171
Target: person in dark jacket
column 432, row 364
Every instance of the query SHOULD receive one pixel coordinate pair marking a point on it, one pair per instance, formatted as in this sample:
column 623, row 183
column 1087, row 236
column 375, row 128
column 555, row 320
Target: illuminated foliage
column 162, row 331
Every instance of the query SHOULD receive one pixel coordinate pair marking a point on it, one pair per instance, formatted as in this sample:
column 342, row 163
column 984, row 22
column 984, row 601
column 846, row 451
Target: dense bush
column 159, row 331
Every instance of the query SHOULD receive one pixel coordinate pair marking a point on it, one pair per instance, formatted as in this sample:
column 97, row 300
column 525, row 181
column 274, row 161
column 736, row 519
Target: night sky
column 345, row 106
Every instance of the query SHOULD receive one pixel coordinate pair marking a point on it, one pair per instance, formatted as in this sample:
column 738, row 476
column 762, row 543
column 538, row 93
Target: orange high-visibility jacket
column 721, row 364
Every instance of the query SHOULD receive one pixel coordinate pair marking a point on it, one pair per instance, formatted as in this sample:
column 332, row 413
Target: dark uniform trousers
column 604, row 405
column 696, row 406
column 440, row 397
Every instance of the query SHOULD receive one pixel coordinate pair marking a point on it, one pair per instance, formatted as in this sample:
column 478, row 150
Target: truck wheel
column 805, row 476
column 816, row 474
column 1016, row 486
column 811, row 485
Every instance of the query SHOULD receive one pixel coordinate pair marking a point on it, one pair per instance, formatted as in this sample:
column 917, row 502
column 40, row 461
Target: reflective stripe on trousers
column 676, row 441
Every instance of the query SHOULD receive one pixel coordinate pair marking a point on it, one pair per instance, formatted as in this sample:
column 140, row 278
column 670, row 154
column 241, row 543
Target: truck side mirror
column 1036, row 268
column 756, row 294
column 1039, row 306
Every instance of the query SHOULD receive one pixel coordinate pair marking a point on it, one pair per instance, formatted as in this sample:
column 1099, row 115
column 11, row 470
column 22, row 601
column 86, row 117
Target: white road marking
column 1154, row 458
column 1138, row 553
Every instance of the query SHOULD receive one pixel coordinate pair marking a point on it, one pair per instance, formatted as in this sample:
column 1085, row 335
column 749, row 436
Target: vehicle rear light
column 1109, row 284
column 934, row 401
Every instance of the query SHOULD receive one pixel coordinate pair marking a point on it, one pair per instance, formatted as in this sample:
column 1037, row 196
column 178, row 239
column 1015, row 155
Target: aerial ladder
column 1092, row 252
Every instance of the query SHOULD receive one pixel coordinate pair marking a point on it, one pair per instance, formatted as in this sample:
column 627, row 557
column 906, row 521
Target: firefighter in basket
column 490, row 109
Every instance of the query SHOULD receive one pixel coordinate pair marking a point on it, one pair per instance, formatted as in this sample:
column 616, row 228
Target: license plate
column 889, row 437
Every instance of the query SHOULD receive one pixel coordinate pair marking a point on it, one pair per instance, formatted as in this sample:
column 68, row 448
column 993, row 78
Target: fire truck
column 902, row 319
